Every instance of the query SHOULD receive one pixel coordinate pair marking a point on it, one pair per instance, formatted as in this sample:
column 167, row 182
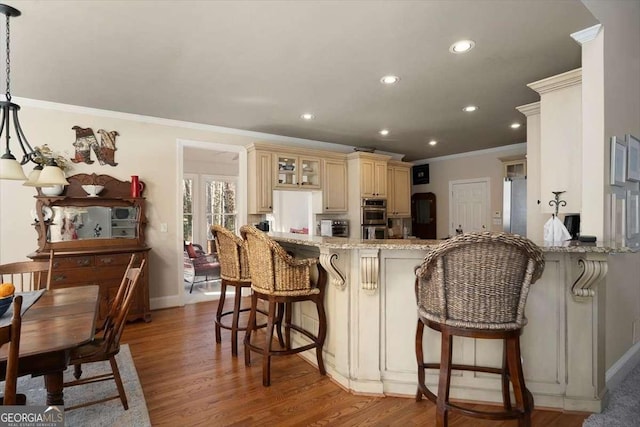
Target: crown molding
column 529, row 109
column 288, row 140
column 586, row 35
column 520, row 146
column 560, row 81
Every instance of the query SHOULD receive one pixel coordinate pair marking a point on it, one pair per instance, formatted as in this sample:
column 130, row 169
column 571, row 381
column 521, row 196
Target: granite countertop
column 420, row 244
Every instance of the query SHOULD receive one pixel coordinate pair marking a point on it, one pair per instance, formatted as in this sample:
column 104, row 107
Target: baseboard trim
column 165, row 302
column 623, row 366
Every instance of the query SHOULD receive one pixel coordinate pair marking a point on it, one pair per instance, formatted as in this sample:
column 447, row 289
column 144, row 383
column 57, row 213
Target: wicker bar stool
column 234, row 271
column 475, row 285
column 279, row 279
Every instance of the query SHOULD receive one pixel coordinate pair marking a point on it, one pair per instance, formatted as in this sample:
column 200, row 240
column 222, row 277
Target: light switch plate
column 163, row 227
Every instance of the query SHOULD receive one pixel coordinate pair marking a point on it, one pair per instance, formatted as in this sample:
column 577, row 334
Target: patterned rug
column 104, row 414
column 623, row 409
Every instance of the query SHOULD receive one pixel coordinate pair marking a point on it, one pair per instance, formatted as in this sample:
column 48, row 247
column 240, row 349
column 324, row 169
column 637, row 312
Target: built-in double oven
column 374, row 218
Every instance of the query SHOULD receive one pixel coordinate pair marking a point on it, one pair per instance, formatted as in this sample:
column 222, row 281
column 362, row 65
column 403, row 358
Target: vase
column 54, row 190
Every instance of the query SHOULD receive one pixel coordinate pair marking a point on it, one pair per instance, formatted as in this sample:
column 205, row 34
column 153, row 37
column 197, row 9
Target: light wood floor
column 188, row 380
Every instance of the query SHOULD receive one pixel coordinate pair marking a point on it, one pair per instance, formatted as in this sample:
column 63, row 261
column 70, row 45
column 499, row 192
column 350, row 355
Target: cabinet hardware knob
column 59, row 278
column 56, row 264
column 83, row 262
column 107, row 260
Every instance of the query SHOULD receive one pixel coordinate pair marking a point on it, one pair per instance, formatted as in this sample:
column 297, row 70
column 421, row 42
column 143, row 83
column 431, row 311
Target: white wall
column 477, row 164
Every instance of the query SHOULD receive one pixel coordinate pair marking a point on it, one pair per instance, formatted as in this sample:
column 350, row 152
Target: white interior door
column 469, row 205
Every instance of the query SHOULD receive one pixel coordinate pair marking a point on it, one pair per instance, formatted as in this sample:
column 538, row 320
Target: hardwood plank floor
column 189, row 380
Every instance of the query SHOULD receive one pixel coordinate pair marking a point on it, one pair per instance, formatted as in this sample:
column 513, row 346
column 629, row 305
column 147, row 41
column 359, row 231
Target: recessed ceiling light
column 433, row 142
column 515, row 125
column 389, row 80
column 462, row 46
column 307, row 116
column 470, row 108
column 384, row 132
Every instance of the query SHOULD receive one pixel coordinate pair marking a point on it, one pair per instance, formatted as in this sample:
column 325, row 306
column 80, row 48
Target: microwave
column 334, row 228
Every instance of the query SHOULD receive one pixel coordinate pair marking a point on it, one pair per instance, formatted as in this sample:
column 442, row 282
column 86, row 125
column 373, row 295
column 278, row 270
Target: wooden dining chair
column 106, row 345
column 11, row 334
column 28, row 276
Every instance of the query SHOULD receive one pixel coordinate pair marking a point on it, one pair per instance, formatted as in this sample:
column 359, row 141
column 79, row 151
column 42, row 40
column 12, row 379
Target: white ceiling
column 258, row 65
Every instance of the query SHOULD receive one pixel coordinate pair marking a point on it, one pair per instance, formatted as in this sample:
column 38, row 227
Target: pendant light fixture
column 10, row 168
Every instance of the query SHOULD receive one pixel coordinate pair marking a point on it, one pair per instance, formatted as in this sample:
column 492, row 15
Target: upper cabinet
column 260, row 181
column 554, row 140
column 294, row 172
column 399, row 189
column 514, row 167
column 276, row 167
column 373, row 177
column 335, row 189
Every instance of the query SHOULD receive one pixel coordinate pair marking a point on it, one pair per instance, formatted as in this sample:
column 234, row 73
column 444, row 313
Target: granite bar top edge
column 420, row 244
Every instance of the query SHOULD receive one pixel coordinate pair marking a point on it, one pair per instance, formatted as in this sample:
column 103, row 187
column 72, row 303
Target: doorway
column 423, row 215
column 213, row 185
column 469, row 205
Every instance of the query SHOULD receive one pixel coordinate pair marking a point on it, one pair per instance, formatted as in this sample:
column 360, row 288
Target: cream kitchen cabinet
column 514, row 167
column 559, row 150
column 335, row 191
column 399, row 189
column 260, row 181
column 294, row 172
column 373, row 178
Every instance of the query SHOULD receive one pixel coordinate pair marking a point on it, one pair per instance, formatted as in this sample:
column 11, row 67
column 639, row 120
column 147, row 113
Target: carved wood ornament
column 86, row 142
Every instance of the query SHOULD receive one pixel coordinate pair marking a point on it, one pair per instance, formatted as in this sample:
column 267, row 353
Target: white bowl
column 93, row 190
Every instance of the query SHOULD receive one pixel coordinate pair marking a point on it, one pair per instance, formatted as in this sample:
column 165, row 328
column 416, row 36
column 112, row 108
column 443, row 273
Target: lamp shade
column 10, row 169
column 51, row 175
column 34, row 175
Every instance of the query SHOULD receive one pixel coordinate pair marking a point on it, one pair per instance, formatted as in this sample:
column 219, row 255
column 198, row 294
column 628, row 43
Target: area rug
column 623, row 409
column 105, row 414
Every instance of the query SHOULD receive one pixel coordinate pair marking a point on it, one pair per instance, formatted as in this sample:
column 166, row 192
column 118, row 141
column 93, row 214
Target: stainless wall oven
column 374, row 212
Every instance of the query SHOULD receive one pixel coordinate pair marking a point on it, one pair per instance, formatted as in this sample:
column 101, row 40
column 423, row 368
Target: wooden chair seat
column 475, row 285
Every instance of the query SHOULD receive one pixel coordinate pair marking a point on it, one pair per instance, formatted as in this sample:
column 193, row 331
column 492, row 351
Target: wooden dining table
column 59, row 321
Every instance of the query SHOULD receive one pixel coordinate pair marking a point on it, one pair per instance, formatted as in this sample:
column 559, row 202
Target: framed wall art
column 633, row 158
column 617, row 215
column 618, row 161
column 633, row 214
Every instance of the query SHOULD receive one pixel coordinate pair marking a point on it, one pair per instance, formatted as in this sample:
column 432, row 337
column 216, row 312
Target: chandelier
column 43, row 175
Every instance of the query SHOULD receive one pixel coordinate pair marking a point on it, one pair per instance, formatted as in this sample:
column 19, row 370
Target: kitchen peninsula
column 372, row 322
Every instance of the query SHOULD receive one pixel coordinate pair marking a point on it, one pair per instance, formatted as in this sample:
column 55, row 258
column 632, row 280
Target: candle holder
column 557, row 202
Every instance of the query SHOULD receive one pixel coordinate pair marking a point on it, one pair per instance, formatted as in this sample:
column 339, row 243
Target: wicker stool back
column 476, row 285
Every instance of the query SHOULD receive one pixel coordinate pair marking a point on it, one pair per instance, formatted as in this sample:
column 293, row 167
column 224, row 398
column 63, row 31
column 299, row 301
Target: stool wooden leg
column 250, row 327
column 322, row 333
column 442, row 412
column 506, row 396
column 223, row 291
column 523, row 401
column 287, row 325
column 279, row 317
column 235, row 319
column 266, row 353
column 420, row 359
